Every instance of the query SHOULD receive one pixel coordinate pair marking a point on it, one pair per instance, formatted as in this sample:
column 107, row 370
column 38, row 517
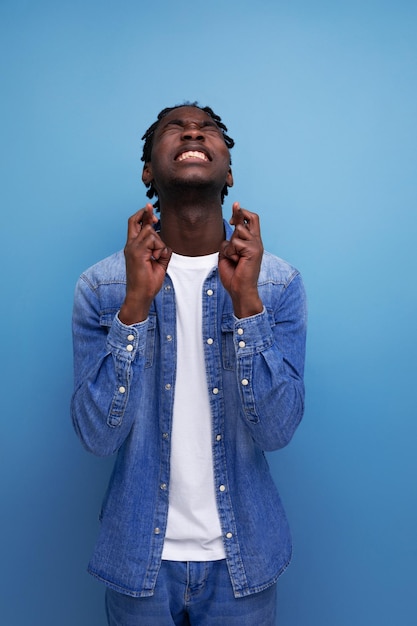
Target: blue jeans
column 192, row 594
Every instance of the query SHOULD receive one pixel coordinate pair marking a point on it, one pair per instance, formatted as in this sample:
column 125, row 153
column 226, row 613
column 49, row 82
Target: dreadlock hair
column 148, row 137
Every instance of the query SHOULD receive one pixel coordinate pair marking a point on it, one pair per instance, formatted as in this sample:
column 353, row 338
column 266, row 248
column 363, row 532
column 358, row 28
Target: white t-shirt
column 193, row 530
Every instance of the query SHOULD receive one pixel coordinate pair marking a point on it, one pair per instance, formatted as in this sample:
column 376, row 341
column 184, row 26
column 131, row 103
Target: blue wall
column 321, row 99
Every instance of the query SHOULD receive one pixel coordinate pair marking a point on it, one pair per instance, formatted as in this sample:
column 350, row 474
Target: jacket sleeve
column 270, row 354
column 108, row 355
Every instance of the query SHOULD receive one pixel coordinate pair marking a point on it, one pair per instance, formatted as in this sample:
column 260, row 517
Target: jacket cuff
column 252, row 334
column 127, row 341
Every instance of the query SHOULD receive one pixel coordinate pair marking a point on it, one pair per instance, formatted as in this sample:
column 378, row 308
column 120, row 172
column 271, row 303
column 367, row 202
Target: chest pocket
column 106, row 320
column 228, row 348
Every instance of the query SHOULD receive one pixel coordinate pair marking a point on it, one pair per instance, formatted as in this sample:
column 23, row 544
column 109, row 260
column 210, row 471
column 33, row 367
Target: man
column 189, row 357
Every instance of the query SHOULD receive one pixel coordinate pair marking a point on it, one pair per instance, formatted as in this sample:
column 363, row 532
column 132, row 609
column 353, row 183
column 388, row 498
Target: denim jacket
column 123, row 401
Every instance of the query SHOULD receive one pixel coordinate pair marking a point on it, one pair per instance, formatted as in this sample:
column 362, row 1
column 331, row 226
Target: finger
column 139, row 219
column 148, row 216
column 251, row 222
column 228, row 250
column 134, row 224
column 149, row 240
column 240, row 222
column 245, row 218
column 236, row 214
column 163, row 256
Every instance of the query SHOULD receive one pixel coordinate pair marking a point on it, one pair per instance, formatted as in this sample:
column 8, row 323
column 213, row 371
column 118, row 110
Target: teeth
column 192, row 154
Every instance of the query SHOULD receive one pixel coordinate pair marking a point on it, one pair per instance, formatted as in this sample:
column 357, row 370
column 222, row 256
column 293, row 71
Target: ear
column 229, row 178
column 147, row 175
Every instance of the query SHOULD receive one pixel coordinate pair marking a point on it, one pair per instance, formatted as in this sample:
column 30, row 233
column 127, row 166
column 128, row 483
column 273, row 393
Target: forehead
column 186, row 114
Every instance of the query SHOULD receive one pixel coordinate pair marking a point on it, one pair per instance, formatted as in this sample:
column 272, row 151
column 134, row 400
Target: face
column 188, row 149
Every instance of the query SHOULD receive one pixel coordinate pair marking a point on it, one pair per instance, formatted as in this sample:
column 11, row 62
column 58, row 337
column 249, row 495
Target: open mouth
column 192, row 154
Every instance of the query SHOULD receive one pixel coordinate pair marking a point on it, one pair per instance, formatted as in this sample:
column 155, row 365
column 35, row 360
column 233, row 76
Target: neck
column 192, row 229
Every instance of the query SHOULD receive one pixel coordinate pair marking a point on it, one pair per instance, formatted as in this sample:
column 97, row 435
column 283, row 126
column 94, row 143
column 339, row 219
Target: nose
column 193, row 131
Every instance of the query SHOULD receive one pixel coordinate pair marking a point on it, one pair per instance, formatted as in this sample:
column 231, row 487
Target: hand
column 240, row 262
column 147, row 259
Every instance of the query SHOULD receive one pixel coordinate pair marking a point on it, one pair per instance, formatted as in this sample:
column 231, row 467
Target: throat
column 193, row 233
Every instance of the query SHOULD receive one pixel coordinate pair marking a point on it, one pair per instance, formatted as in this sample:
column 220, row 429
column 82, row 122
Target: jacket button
column 130, row 337
column 122, row 389
column 157, row 531
column 244, row 382
column 222, row 488
column 209, row 292
column 229, row 535
column 129, row 347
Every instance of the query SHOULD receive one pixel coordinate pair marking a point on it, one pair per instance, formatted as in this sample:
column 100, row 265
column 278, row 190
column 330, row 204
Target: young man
column 189, row 358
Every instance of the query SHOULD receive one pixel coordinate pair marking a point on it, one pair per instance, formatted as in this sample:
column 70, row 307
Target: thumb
column 164, row 257
column 228, row 251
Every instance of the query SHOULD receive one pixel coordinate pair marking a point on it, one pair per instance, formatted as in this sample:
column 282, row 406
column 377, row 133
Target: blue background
column 321, row 100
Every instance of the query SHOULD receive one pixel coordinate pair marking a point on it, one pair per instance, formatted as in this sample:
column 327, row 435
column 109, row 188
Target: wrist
column 133, row 312
column 247, row 306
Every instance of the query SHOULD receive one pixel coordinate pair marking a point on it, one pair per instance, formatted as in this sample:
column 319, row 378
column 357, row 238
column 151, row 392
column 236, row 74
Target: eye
column 210, row 126
column 172, row 125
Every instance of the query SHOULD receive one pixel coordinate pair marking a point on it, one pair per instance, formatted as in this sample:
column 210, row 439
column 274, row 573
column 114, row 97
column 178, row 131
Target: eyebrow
column 175, row 122
column 181, row 122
